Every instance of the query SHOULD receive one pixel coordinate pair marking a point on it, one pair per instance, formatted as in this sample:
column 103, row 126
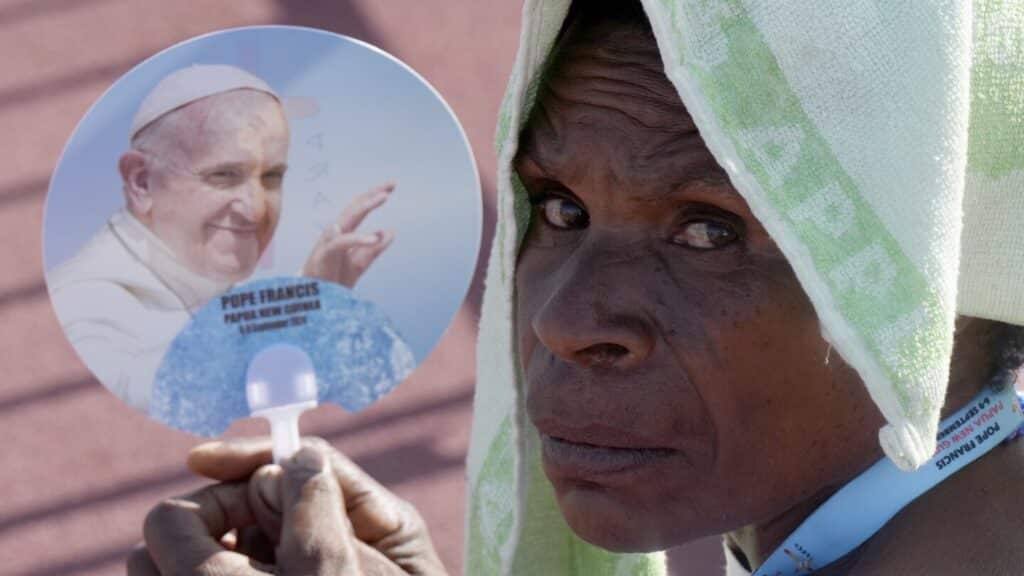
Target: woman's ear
column 135, row 177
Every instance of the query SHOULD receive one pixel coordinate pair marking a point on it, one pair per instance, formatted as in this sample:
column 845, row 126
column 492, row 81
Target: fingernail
column 307, row 460
column 208, row 446
column 267, row 484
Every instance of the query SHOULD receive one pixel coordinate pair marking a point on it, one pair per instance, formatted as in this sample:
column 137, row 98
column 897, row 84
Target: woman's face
column 674, row 366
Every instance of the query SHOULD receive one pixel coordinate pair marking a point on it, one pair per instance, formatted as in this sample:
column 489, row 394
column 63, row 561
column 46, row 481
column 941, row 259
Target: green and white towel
column 880, row 143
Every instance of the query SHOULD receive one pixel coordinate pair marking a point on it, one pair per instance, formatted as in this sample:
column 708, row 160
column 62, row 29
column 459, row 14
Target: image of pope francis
column 202, row 182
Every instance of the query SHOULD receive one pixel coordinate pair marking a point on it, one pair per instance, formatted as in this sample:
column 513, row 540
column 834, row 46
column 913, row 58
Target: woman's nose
column 594, row 315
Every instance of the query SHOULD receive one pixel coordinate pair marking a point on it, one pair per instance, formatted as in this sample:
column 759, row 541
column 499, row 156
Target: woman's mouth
column 579, row 460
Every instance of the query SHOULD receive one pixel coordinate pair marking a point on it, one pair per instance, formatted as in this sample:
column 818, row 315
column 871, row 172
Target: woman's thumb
column 316, row 535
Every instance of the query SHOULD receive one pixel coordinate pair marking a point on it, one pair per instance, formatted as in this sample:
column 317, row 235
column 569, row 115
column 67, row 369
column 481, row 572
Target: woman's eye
column 564, row 213
column 705, row 234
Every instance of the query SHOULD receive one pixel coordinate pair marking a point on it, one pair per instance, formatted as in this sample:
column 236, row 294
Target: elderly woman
column 668, row 353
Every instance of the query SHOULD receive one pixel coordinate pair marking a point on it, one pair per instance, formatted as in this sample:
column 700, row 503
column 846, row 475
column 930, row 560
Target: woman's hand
column 318, row 513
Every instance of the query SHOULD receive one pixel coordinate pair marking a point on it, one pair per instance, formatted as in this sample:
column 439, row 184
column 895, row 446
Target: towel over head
column 881, row 144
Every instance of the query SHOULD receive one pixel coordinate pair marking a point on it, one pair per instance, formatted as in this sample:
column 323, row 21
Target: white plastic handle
column 280, row 386
column 284, row 428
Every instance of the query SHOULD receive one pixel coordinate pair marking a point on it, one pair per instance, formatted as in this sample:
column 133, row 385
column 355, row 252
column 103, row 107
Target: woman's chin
column 602, row 518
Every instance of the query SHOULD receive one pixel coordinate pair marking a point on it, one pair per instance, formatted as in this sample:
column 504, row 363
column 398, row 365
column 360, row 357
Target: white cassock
column 121, row 300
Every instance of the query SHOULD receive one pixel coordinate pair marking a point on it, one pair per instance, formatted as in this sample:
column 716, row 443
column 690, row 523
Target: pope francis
column 202, row 183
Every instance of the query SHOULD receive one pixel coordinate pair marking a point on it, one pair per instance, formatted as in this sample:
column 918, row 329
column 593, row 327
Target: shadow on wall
column 341, row 17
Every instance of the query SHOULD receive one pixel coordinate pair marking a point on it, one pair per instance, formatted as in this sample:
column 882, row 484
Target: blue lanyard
column 865, row 504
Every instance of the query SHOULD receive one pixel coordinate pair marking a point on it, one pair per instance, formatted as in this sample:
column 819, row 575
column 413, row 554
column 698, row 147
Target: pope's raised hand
column 342, row 254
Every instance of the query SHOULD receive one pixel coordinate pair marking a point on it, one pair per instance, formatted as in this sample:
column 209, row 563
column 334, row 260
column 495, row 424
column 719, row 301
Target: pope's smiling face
column 675, row 368
column 210, row 183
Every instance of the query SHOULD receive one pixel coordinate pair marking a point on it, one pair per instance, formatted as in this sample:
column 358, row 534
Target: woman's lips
column 578, row 460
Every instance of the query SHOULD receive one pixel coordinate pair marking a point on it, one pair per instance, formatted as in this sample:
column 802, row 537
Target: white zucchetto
column 187, row 85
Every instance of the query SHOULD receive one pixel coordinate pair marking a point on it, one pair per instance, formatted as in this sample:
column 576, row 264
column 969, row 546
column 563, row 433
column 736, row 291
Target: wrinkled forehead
column 218, row 124
column 605, row 108
column 606, row 65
